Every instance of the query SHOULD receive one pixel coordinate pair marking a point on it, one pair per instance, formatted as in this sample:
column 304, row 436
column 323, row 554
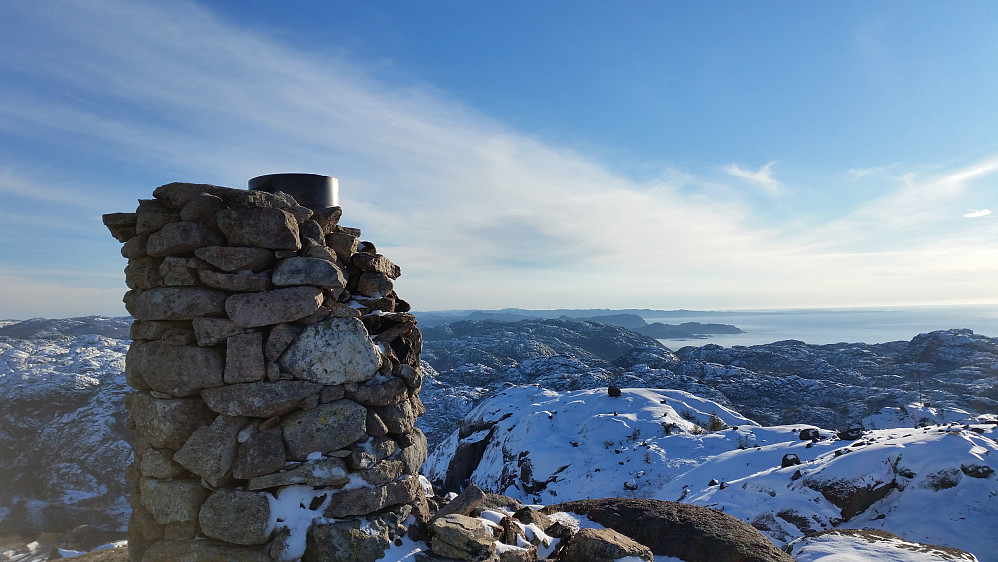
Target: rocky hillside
column 62, row 448
column 785, row 382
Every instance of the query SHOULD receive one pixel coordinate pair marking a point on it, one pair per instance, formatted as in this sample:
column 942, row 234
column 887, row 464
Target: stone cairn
column 276, row 381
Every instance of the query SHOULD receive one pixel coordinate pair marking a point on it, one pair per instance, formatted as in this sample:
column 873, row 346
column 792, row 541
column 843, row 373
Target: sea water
column 822, row 326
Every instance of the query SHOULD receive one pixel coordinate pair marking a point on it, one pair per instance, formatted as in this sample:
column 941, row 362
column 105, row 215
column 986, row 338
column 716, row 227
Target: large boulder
column 684, row 531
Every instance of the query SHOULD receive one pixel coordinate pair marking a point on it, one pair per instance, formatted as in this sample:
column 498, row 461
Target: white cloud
column 763, row 177
column 977, row 213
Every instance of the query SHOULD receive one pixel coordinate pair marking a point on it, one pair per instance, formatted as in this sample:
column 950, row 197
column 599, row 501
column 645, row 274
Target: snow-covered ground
column 933, row 484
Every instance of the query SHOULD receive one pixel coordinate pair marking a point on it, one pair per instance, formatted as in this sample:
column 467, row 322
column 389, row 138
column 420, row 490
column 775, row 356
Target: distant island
column 632, row 319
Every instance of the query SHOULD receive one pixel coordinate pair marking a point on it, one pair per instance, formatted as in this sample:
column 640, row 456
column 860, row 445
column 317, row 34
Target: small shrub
column 715, row 423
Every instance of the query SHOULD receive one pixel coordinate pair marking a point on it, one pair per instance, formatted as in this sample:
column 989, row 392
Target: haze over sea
column 822, row 326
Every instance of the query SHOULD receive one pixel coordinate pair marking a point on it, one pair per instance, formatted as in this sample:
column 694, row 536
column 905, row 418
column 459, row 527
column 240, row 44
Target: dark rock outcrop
column 681, row 530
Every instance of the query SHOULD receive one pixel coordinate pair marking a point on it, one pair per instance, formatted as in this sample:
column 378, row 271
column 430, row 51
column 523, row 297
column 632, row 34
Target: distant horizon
column 649, row 309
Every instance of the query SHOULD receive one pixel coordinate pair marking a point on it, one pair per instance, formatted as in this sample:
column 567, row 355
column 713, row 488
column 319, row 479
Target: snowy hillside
column 933, row 484
column 63, row 448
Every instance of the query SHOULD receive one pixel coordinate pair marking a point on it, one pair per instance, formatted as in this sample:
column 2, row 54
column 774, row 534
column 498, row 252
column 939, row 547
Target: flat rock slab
column 249, row 310
column 327, row 428
column 178, row 303
column 336, row 351
column 259, row 399
column 178, row 370
column 308, row 271
column 237, row 258
column 262, row 227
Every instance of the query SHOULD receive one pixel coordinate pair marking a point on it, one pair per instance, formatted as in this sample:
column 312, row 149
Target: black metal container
column 310, row 190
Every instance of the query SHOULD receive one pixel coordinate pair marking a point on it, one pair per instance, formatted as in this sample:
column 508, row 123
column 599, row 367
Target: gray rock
column 210, row 450
column 262, row 227
column 400, row 418
column 377, row 263
column 321, row 252
column 461, row 537
column 143, row 273
column 156, row 330
column 235, row 282
column 157, row 463
column 210, row 331
column 151, row 215
column 365, row 454
column 176, row 273
column 259, row 399
column 362, row 501
column 336, row 351
column 308, row 271
column 603, row 545
column 355, row 539
column 200, row 550
column 415, row 454
column 322, row 472
column 178, row 238
column 178, row 303
column 201, row 209
column 135, row 247
column 382, row 472
column 244, row 358
column 470, row 499
column 236, row 516
column 684, row 531
column 375, row 285
column 272, row 307
column 327, row 428
column 121, row 225
column 278, row 340
column 237, row 258
column 176, row 370
column 172, row 500
column 262, row 453
column 167, row 423
column 343, row 243
column 387, row 393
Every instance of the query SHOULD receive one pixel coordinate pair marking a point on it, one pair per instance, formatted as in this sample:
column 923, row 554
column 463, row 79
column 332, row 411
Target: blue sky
column 531, row 154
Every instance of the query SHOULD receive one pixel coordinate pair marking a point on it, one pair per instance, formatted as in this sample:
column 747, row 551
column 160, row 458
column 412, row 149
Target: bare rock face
column 334, row 352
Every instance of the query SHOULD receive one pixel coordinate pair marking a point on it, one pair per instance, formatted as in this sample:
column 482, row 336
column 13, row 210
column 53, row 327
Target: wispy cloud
column 476, row 213
column 977, row 213
column 763, row 177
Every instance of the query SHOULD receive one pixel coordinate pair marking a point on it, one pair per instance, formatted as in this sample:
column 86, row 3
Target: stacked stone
column 276, row 381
